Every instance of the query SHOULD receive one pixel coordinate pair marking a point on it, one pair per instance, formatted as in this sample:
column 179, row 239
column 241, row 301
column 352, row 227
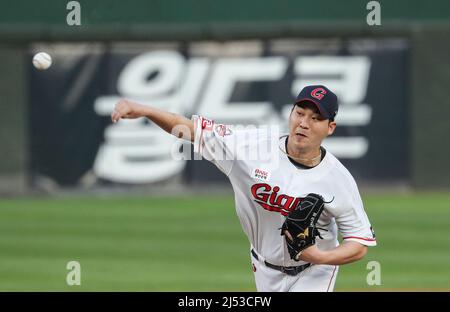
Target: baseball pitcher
column 293, row 202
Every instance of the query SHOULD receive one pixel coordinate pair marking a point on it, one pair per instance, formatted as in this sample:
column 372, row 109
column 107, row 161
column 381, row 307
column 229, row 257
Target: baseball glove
column 299, row 228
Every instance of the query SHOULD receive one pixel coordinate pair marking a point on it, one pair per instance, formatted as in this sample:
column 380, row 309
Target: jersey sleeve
column 215, row 143
column 352, row 220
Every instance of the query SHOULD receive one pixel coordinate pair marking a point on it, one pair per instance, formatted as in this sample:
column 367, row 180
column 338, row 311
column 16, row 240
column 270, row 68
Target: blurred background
column 75, row 187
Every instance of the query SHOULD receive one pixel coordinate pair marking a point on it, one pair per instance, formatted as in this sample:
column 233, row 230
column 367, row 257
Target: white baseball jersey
column 267, row 185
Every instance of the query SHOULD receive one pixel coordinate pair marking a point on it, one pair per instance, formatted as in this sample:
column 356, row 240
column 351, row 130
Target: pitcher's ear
column 331, row 127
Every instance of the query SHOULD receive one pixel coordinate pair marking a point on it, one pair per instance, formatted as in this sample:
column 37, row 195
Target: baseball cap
column 325, row 100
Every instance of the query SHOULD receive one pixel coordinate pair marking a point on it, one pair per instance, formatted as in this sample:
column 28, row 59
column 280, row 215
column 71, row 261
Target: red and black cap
column 325, row 100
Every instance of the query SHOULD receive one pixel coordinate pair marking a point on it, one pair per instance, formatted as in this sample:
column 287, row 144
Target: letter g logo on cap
column 318, row 93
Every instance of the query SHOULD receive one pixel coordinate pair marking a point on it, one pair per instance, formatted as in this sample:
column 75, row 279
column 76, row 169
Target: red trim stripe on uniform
column 200, row 147
column 329, row 284
column 363, row 238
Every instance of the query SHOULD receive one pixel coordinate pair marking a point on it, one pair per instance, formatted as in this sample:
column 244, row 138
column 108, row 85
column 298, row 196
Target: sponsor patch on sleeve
column 207, row 124
column 222, row 130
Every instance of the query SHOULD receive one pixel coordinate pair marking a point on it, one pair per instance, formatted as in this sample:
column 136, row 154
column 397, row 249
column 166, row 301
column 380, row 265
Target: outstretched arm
column 165, row 120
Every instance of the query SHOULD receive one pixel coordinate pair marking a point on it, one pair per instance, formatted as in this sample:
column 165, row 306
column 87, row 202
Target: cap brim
column 321, row 110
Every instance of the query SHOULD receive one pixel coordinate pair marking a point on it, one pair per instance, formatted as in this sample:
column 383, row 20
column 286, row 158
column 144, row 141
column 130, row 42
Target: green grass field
column 188, row 244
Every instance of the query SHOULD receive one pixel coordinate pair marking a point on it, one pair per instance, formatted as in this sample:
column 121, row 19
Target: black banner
column 248, row 82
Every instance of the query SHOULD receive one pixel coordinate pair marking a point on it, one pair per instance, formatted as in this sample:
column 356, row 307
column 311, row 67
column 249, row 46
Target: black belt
column 293, row 270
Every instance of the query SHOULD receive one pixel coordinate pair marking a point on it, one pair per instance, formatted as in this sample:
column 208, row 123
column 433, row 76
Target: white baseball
column 42, row 60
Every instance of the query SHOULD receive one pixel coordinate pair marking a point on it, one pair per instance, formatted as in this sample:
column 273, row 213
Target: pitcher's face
column 307, row 128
